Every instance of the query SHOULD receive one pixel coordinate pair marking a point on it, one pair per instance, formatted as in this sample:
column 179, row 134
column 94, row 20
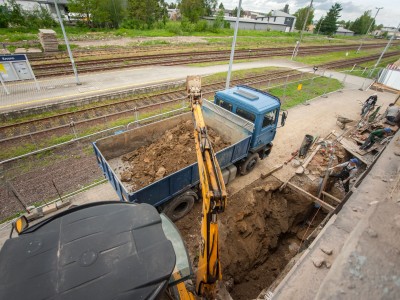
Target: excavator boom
column 213, row 193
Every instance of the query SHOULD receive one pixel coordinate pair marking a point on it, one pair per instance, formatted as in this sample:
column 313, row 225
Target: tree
column 221, row 6
column 348, row 24
column 361, row 24
column 286, row 8
column 83, row 7
column 219, row 20
column 144, row 13
column 317, row 27
column 300, row 15
column 328, row 26
column 192, row 9
column 172, row 5
column 234, row 12
column 210, row 6
column 4, row 16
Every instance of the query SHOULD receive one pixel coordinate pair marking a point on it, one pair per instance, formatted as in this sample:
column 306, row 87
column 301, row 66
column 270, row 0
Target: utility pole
column 302, row 31
column 384, row 50
column 370, row 25
column 228, row 78
column 67, row 44
column 320, row 24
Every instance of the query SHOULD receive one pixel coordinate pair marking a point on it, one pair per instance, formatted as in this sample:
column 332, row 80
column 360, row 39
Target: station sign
column 15, row 67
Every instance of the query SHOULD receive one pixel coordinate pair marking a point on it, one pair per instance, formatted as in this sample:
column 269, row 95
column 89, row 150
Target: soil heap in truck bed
column 172, row 152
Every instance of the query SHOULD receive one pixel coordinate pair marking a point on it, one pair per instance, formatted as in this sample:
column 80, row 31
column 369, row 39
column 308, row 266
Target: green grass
column 239, row 74
column 222, row 36
column 329, row 57
column 310, row 90
column 359, row 71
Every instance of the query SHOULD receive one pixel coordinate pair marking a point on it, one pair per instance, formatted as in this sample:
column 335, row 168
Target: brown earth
column 174, row 151
column 260, row 231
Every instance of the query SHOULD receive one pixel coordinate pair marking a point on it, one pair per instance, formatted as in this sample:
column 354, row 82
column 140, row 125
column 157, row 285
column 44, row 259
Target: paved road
column 25, row 94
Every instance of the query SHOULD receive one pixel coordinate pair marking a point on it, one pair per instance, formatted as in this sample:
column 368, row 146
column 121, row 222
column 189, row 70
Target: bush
column 12, row 15
column 201, row 26
column 4, row 16
column 130, row 24
column 187, row 26
column 174, row 27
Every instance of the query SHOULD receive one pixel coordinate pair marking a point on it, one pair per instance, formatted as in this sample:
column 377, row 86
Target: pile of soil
column 174, row 151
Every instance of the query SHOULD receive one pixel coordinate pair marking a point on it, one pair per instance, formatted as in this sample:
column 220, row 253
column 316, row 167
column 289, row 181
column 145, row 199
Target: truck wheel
column 178, row 207
column 248, row 165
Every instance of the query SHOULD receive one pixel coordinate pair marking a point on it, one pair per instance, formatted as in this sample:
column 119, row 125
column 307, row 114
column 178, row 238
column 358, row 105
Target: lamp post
column 228, row 78
column 370, row 25
column 67, row 44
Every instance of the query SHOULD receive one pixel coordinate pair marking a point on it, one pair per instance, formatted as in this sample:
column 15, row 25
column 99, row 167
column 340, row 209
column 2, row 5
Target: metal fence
column 48, row 173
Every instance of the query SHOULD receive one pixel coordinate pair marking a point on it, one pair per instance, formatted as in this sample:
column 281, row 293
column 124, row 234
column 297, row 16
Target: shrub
column 174, row 27
column 201, row 26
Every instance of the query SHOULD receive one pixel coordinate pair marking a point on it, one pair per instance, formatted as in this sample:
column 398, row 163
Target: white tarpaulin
column 390, row 78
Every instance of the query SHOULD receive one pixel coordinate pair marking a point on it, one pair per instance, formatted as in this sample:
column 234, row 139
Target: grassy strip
column 334, row 56
column 310, row 90
column 239, row 74
column 361, row 73
column 221, row 36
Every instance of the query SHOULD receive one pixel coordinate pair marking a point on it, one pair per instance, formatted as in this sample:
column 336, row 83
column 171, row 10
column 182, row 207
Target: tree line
column 329, row 23
column 148, row 14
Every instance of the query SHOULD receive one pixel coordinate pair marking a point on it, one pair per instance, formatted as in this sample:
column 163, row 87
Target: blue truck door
column 268, row 127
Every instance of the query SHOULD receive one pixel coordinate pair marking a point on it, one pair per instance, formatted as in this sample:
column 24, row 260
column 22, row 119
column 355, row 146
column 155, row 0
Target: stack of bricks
column 48, row 39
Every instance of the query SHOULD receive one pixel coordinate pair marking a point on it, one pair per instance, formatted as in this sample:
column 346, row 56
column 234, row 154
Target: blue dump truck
column 245, row 117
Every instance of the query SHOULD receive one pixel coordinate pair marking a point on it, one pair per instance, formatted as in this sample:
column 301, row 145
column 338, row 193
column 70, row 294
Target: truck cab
column 258, row 107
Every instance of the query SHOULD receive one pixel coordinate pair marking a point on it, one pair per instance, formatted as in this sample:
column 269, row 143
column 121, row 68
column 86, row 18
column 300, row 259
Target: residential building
column 276, row 20
column 344, row 31
column 278, row 17
column 48, row 4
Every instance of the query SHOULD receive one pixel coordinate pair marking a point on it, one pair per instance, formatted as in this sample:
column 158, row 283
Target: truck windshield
column 269, row 118
column 224, row 104
column 245, row 114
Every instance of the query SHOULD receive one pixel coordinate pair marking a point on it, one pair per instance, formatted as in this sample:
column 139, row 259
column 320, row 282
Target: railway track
column 60, row 124
column 64, row 68
column 35, row 130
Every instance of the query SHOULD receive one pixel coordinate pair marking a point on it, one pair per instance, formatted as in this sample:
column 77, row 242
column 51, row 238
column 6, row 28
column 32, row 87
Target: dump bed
column 110, row 150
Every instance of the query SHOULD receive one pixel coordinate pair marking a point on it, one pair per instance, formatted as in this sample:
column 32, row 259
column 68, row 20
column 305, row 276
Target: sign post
column 2, row 83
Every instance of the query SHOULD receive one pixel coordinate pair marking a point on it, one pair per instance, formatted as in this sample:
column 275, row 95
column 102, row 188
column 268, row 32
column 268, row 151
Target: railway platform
column 25, row 95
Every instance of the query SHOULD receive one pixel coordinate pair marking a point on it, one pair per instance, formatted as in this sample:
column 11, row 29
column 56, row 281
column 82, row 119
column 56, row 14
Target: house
column 276, row 20
column 174, row 14
column 387, row 32
column 344, row 31
column 47, row 4
column 280, row 18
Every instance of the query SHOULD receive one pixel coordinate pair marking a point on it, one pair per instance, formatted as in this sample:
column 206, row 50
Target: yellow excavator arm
column 213, row 193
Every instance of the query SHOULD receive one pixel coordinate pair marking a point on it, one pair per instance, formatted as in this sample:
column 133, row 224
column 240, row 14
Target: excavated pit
column 260, row 231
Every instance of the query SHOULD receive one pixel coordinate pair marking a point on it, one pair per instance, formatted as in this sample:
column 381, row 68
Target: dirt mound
column 257, row 235
column 174, row 151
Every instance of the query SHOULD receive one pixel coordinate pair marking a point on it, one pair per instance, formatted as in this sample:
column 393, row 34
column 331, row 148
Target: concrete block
column 48, row 209
column 61, row 204
column 36, row 213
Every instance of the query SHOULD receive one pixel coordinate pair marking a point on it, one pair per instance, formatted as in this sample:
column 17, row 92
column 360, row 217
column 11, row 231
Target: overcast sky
column 389, row 15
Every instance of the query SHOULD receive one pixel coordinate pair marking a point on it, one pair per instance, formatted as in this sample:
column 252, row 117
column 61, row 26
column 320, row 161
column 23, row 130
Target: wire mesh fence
column 50, row 171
